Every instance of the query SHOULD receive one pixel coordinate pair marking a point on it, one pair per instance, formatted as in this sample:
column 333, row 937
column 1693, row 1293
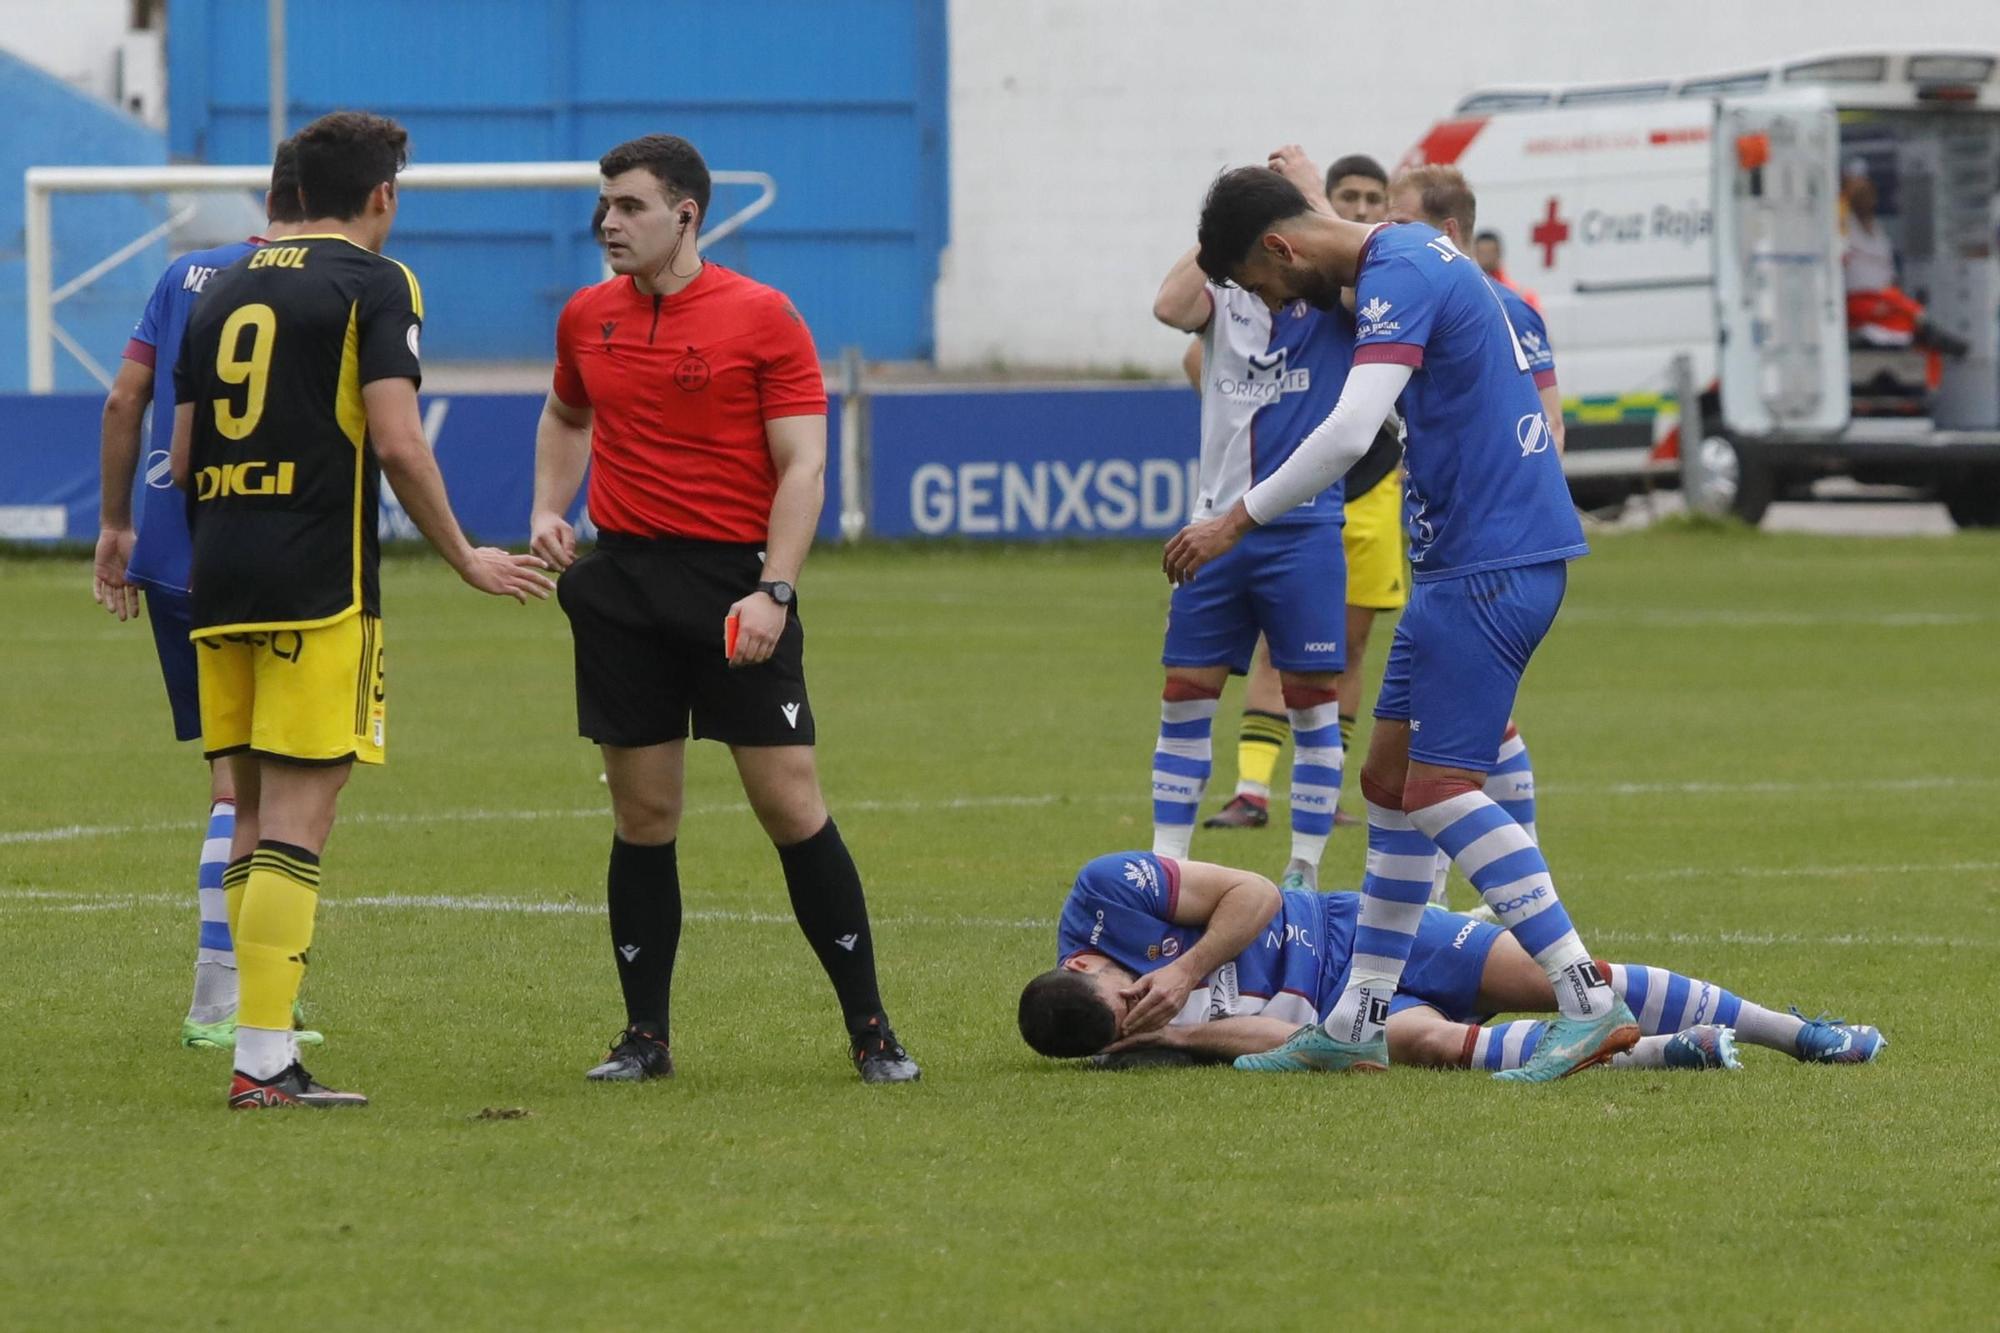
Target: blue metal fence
column 843, row 102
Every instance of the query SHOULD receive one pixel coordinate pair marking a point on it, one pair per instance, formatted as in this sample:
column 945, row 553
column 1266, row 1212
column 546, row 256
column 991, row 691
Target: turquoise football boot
column 1310, row 1050
column 1570, row 1044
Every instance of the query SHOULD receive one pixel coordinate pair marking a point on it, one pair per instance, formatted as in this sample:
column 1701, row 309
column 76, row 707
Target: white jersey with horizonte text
column 1267, row 379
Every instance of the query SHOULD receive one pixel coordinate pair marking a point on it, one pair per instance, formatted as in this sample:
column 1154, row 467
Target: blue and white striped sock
column 215, row 957
column 1395, row 888
column 1667, row 1002
column 1181, row 763
column 1503, row 863
column 1317, row 760
column 1506, row 1045
column 1511, row 786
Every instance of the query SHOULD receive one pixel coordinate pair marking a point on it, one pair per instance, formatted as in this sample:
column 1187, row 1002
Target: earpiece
column 687, row 216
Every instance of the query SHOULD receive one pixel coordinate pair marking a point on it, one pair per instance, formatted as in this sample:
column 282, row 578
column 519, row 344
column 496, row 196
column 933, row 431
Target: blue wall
column 70, row 128
column 843, row 102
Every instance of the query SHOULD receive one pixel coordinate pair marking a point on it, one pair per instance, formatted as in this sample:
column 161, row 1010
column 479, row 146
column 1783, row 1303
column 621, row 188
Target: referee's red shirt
column 682, row 386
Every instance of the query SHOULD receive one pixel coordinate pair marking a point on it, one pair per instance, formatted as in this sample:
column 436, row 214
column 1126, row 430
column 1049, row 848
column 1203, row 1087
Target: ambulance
column 1683, row 238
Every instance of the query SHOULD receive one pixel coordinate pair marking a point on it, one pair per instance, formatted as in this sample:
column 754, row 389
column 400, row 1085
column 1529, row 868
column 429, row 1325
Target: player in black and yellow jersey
column 295, row 388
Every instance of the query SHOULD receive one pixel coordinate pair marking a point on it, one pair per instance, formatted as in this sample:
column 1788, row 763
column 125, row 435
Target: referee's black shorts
column 646, row 617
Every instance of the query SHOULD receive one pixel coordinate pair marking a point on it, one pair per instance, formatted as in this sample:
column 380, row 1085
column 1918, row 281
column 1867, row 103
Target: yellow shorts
column 1378, row 573
column 310, row 696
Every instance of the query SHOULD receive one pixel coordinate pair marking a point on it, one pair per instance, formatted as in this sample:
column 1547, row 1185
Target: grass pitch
column 1771, row 762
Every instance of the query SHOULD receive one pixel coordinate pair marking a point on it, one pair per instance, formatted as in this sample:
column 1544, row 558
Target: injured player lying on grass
column 1165, row 961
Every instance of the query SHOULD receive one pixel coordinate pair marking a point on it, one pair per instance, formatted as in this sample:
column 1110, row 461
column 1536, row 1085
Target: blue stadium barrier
column 994, row 464
column 485, row 446
column 1025, row 465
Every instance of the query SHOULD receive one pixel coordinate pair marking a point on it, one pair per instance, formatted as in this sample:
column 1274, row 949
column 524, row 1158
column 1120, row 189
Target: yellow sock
column 1258, row 746
column 235, row 877
column 274, row 928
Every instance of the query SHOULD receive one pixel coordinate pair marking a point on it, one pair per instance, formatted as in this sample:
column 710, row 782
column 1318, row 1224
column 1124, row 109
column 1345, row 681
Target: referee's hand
column 759, row 622
column 553, row 539
column 505, row 574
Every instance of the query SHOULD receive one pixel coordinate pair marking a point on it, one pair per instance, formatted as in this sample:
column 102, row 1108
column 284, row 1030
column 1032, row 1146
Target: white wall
column 75, row 40
column 1083, row 132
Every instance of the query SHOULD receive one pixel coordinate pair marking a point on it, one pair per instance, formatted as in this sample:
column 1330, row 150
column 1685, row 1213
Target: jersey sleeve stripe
column 1395, row 354
column 416, row 292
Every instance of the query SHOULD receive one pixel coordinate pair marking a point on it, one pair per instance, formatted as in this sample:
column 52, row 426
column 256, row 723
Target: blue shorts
column 1445, row 966
column 172, row 617
column 1287, row 581
column 1457, row 659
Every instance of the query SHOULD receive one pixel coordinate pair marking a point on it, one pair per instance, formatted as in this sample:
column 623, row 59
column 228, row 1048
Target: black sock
column 827, row 900
column 644, row 894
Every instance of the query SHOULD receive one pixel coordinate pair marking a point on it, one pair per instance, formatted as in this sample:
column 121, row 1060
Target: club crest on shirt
column 691, row 372
column 607, row 328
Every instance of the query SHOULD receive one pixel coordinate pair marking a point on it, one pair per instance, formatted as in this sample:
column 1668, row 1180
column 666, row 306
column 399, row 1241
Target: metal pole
column 853, row 450
column 39, row 245
column 274, row 11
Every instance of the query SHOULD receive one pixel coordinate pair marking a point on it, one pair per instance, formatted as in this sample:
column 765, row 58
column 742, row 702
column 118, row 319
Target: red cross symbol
column 1550, row 232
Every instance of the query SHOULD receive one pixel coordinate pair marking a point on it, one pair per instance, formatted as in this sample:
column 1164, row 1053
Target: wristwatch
column 778, row 591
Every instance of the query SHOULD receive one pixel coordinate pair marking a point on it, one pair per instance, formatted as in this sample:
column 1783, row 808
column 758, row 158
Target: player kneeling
column 1167, row 961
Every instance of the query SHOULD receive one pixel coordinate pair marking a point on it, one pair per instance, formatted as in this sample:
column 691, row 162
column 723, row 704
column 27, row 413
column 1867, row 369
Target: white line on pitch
column 1811, row 872
column 76, row 832
column 42, row 900
column 1769, row 619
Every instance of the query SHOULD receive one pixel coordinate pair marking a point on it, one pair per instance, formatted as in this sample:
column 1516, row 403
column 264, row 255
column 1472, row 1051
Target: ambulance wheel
column 1974, row 501
column 1730, row 485
column 1756, row 487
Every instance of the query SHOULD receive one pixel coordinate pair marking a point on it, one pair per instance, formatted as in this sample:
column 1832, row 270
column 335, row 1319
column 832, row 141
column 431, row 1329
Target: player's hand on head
column 1156, row 1037
column 1154, row 999
column 1291, row 162
column 553, row 539
column 108, row 587
column 759, row 622
column 504, row 574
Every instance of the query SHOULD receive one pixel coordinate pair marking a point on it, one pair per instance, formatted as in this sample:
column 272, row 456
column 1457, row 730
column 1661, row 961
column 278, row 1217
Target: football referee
column 694, row 396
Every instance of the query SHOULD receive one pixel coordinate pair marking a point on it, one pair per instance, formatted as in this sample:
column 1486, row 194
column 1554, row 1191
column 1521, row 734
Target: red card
column 730, row 624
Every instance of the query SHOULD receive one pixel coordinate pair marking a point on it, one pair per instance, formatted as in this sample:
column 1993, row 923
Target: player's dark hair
column 675, row 163
column 1241, row 206
column 1487, row 235
column 1355, row 164
column 343, row 156
column 1063, row 1016
column 284, row 205
column 1441, row 193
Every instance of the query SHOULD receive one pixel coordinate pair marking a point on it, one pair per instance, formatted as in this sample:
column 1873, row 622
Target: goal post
column 43, row 183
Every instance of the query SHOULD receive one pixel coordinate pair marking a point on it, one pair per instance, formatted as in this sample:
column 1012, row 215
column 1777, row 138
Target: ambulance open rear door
column 1780, row 307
